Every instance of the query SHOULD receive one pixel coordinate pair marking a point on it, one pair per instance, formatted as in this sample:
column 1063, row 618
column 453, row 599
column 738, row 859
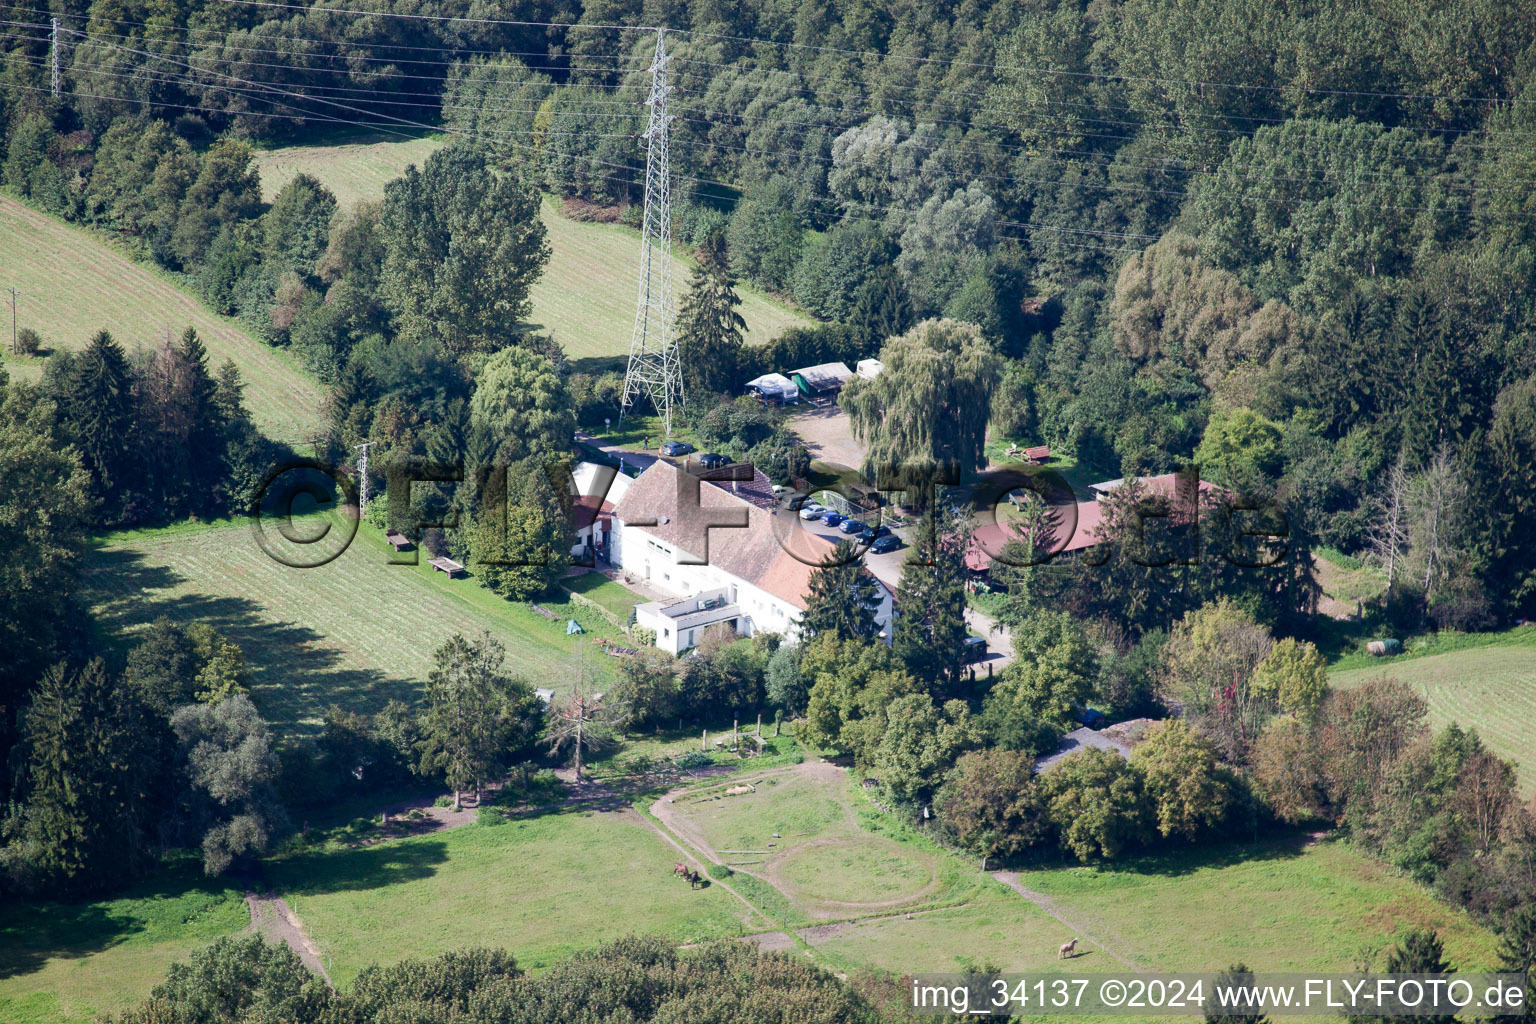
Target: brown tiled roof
column 587, row 507
column 724, row 529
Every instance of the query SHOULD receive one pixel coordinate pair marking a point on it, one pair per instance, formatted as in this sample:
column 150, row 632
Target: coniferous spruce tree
column 844, row 598
column 709, row 330
column 931, row 631
column 90, row 770
column 99, row 410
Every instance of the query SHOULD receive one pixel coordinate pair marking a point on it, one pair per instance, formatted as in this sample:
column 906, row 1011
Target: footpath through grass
column 355, row 632
column 73, row 284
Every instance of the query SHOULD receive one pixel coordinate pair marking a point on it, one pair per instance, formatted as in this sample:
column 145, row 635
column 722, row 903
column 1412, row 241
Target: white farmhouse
column 718, row 555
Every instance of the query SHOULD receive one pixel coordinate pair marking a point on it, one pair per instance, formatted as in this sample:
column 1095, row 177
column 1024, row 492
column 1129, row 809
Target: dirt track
column 274, row 920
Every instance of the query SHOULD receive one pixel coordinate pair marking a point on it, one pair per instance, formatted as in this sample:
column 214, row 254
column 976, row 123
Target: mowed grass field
column 586, row 297
column 1492, row 689
column 355, row 632
column 71, row 962
column 1287, row 907
column 1284, row 905
column 355, row 171
column 541, row 887
column 73, row 285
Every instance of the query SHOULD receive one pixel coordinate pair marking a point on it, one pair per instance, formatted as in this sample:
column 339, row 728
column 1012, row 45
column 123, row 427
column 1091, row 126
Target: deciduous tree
column 463, row 244
column 1188, row 791
column 477, row 718
column 1097, row 804
column 227, row 766
column 993, row 803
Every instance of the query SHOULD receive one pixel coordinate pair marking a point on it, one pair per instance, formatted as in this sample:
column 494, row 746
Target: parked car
column 812, row 511
column 872, row 533
column 852, row 526
column 1090, row 717
column 975, row 648
column 712, row 460
column 832, row 518
column 676, row 448
column 890, row 542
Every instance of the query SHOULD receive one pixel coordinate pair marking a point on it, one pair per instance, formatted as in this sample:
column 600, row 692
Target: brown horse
column 679, row 868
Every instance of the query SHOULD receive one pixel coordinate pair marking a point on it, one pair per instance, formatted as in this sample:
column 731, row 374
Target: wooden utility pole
column 14, row 294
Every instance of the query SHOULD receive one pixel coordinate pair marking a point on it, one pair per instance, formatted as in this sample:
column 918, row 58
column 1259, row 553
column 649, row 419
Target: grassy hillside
column 355, row 632
column 587, row 294
column 73, row 285
column 353, row 171
column 1491, row 687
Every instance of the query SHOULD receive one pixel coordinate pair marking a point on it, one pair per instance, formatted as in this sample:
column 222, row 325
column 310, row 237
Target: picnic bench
column 397, row 540
column 447, row 565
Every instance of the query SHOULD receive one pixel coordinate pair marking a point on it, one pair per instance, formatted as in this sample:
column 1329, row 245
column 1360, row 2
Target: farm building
column 717, row 555
column 1076, row 524
column 870, row 368
column 823, row 381
column 774, row 389
column 1165, row 485
column 597, row 488
column 1076, row 528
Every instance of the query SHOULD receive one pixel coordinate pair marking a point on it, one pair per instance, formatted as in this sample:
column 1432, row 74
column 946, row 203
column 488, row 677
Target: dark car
column 676, row 448
column 1090, row 717
column 833, row 518
column 890, row 542
column 871, row 533
column 711, row 460
column 975, row 648
column 852, row 526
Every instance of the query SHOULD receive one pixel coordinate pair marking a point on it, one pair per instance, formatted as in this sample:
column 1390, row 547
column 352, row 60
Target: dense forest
column 1292, row 243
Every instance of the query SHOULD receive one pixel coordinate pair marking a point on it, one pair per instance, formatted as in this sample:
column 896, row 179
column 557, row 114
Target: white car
column 813, row 511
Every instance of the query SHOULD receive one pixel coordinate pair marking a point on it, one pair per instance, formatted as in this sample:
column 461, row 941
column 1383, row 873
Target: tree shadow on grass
column 1174, row 861
column 366, row 867
column 33, row 933
column 294, row 673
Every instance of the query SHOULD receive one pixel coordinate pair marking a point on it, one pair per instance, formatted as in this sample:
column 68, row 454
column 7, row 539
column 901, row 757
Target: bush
column 719, row 871
column 492, row 816
column 28, row 342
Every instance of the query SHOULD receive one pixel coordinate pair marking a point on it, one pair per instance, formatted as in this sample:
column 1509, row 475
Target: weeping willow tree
column 925, row 416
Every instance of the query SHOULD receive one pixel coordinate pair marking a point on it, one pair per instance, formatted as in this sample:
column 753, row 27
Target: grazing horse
column 679, row 868
column 1066, row 949
column 695, row 879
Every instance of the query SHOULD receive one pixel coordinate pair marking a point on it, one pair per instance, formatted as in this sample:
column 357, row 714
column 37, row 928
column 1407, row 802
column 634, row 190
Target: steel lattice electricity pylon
column 653, row 367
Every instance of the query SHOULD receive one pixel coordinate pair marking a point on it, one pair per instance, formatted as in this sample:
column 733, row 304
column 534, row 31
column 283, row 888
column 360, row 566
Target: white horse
column 1066, row 949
